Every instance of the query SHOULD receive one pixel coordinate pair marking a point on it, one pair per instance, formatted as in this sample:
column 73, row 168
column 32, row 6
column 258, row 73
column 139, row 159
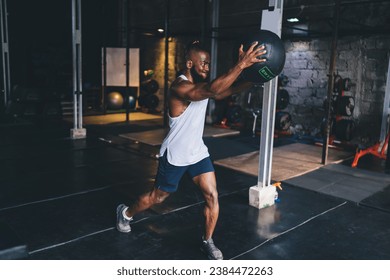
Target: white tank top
column 184, row 143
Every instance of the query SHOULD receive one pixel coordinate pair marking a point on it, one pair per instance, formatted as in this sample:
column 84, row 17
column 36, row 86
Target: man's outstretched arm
column 219, row 88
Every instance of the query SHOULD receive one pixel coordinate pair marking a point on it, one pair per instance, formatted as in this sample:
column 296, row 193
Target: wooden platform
column 288, row 161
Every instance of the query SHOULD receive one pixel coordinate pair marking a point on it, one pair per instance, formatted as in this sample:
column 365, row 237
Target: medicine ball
column 150, row 86
column 275, row 57
column 149, row 101
column 132, row 101
column 114, row 100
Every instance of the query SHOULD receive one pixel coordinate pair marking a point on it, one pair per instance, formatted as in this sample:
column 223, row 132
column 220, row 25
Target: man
column 183, row 149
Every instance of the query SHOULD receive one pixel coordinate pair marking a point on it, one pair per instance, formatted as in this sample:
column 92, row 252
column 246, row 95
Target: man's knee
column 211, row 196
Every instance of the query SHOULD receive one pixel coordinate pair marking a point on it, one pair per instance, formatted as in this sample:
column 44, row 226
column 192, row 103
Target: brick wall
column 363, row 60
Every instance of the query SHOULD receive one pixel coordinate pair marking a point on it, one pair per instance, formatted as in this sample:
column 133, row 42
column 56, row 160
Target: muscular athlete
column 183, row 150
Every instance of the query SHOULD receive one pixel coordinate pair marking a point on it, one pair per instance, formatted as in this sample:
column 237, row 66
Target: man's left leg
column 208, row 186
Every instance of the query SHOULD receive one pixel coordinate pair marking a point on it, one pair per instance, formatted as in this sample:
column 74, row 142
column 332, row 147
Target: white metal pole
column 273, row 88
column 78, row 43
column 386, row 108
column 74, row 52
column 78, row 131
column 5, row 50
column 264, row 193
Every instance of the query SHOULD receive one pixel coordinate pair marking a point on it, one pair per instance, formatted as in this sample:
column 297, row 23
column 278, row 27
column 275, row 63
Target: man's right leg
column 125, row 214
column 167, row 181
column 146, row 200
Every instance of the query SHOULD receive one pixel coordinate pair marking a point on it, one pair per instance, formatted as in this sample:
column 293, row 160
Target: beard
column 198, row 78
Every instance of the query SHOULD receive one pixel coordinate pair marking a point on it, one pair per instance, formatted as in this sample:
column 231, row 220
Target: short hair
column 194, row 46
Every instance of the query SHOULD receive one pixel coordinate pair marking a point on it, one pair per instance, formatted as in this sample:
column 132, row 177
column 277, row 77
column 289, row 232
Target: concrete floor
column 59, row 197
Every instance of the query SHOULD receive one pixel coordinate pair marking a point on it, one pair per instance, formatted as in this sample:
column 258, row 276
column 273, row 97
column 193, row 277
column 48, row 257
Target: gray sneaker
column 122, row 224
column 212, row 252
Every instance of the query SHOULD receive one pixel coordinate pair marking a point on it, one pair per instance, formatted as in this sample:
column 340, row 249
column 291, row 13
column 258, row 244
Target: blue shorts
column 168, row 175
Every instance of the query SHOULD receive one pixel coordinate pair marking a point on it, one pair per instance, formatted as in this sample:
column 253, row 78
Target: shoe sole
column 208, row 256
column 118, row 212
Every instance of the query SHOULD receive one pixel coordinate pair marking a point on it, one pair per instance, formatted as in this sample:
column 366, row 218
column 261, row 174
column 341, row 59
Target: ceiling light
column 293, row 20
column 160, row 30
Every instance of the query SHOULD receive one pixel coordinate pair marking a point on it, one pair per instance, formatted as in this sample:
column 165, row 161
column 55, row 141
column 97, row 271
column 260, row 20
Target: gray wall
column 363, row 60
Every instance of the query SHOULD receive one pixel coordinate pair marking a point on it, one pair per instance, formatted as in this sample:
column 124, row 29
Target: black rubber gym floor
column 58, row 200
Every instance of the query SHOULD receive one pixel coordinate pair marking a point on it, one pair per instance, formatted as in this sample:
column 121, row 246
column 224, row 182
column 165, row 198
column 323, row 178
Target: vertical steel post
column 214, row 39
column 271, row 20
column 267, row 133
column 166, row 69
column 104, row 78
column 127, row 90
column 263, row 194
column 77, row 131
column 74, row 56
column 386, row 108
column 331, row 81
column 214, row 55
column 5, row 51
column 385, row 128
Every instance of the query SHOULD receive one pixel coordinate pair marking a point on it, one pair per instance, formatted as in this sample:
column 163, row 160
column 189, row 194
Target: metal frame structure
column 166, row 64
column 214, row 54
column 264, row 193
column 5, row 51
column 331, row 76
column 386, row 108
column 127, row 91
column 78, row 131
